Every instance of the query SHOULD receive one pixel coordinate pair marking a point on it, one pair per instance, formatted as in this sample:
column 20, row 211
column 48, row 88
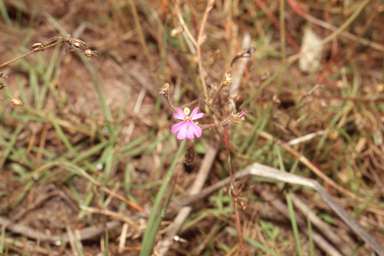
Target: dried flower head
column 38, row 47
column 227, row 79
column 187, row 128
column 177, row 31
column 238, row 117
column 77, row 43
column 190, row 155
column 90, row 53
column 17, row 102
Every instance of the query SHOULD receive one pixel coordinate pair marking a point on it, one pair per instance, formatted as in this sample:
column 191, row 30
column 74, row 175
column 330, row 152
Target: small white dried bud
column 17, row 102
column 76, row 44
column 177, row 31
column 90, row 53
column 227, row 79
column 37, row 46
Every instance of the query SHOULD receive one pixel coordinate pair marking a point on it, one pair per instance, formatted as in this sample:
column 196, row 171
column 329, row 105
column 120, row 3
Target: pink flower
column 187, row 128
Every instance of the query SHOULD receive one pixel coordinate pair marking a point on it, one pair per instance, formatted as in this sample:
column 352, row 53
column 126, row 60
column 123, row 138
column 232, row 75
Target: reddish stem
column 233, row 193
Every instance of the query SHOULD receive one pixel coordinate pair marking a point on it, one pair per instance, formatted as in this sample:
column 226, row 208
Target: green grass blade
column 10, row 145
column 2, row 239
column 156, row 225
column 5, row 15
column 310, row 236
column 146, row 243
column 294, row 224
column 106, row 241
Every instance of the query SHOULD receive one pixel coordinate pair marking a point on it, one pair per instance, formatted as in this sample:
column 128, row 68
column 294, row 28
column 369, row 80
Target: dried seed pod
column 90, row 53
column 37, row 46
column 244, row 204
column 17, row 102
column 177, row 31
column 77, row 43
column 1, row 86
column 190, row 155
column 227, row 79
column 247, row 53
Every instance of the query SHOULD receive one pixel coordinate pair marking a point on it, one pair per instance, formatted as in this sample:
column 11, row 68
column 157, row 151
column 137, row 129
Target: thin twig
column 198, row 47
column 141, row 34
column 28, row 53
column 233, row 193
column 182, row 22
column 85, row 233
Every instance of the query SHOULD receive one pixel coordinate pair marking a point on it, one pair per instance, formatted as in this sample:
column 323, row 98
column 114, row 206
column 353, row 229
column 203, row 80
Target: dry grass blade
column 85, row 233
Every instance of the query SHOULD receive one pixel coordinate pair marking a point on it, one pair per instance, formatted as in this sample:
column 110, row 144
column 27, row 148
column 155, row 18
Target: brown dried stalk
column 71, row 45
column 200, row 39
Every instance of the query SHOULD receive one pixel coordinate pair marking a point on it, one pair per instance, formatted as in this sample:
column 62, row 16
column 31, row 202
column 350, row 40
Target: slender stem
column 198, row 47
column 168, row 100
column 141, row 35
column 182, row 22
column 210, row 126
column 282, row 30
column 238, row 227
column 20, row 57
column 228, row 158
column 216, row 94
column 28, row 53
column 233, row 193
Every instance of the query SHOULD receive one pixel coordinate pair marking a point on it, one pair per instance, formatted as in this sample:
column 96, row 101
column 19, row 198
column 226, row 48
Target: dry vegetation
column 83, row 160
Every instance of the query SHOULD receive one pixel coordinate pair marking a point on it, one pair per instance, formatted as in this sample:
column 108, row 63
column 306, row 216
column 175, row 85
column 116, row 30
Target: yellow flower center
column 187, row 111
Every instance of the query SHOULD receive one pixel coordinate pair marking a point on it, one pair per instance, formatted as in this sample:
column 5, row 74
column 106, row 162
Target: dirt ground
column 82, row 161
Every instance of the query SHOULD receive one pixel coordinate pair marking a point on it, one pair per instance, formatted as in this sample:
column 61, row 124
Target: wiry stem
column 28, row 53
column 198, row 47
column 199, row 41
column 233, row 194
column 165, row 91
column 72, row 43
column 182, row 22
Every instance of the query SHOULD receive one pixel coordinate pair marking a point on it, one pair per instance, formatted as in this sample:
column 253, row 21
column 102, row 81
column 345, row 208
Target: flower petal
column 196, row 115
column 193, row 128
column 177, row 127
column 183, row 131
column 180, row 114
column 190, row 134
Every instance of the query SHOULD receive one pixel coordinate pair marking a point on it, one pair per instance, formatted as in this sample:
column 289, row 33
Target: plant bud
column 76, row 44
column 17, row 102
column 37, row 46
column 177, row 31
column 90, row 53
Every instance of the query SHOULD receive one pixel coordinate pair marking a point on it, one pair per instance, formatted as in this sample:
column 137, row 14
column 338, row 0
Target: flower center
column 187, row 111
